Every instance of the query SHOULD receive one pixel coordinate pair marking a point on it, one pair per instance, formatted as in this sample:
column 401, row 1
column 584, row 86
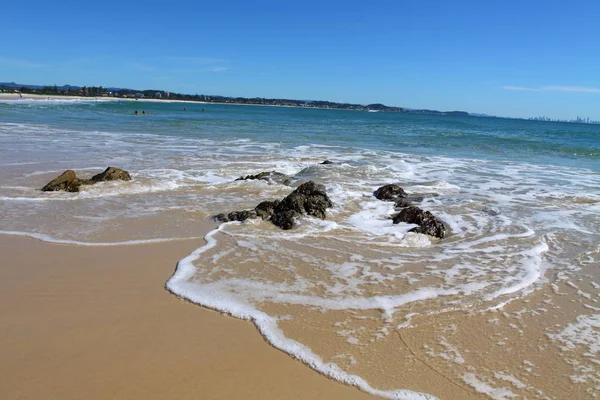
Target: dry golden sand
column 96, row 323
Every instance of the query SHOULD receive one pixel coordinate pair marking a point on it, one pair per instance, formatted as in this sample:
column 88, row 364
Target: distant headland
column 99, row 91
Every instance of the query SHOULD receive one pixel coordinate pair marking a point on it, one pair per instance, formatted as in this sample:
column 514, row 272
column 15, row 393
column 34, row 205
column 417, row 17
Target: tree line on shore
column 100, row 91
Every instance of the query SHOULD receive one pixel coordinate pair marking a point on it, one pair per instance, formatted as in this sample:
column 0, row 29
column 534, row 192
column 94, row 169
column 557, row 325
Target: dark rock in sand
column 402, row 203
column 309, row 198
column 412, row 215
column 407, row 201
column 389, row 192
column 294, row 201
column 316, row 205
column 67, row 181
column 326, row 162
column 311, row 188
column 432, row 227
column 236, row 216
column 272, row 176
column 221, row 218
column 285, row 219
column 266, row 209
column 111, row 174
column 428, row 223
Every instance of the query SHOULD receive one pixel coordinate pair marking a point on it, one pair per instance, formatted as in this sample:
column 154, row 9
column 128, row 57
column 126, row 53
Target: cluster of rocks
column 69, row 182
column 272, row 176
column 309, row 198
column 428, row 223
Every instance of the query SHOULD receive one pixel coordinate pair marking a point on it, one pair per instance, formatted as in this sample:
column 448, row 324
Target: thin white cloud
column 200, row 70
column 572, row 89
column 20, row 63
column 198, row 60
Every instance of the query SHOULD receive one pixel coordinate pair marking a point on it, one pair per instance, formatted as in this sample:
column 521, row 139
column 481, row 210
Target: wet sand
column 96, row 323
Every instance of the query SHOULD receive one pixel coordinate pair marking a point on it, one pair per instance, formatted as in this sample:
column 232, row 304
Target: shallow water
column 346, row 295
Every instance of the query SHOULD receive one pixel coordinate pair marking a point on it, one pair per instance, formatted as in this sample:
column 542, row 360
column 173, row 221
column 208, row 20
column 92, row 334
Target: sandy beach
column 97, row 323
column 506, row 306
column 28, row 96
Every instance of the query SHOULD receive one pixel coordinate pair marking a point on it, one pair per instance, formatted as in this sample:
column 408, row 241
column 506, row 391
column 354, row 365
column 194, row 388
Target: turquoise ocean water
column 565, row 144
column 521, row 199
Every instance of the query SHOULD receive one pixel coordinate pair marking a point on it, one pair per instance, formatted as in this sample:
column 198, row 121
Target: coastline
column 96, row 323
column 15, row 97
column 85, row 308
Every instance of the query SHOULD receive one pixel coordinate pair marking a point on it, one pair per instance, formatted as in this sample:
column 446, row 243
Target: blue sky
column 508, row 58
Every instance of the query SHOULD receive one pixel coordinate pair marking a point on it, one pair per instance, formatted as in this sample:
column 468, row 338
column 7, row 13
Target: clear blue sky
column 508, row 58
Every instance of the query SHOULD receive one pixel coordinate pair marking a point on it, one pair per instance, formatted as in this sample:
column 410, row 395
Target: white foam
column 50, row 239
column 482, row 387
column 532, row 265
column 584, row 332
column 181, row 285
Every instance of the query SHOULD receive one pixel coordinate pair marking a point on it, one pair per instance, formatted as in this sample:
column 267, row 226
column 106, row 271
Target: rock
column 428, row 223
column 294, row 201
column 412, row 215
column 316, row 205
column 70, row 183
column 327, row 162
column 432, row 227
column 403, row 202
column 309, row 198
column 67, row 181
column 236, row 216
column 266, row 209
column 111, row 174
column 311, row 188
column 285, row 219
column 221, row 218
column 389, row 192
column 272, row 176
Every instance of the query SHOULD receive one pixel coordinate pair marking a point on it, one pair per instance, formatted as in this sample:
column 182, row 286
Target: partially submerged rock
column 407, row 201
column 111, row 174
column 285, row 219
column 428, row 223
column 266, row 209
column 389, row 192
column 309, row 198
column 326, row 162
column 69, row 182
column 236, row 216
column 66, row 181
column 272, row 176
column 433, row 227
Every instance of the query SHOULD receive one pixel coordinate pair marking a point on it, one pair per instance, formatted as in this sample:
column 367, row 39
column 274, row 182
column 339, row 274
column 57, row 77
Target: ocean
column 507, row 305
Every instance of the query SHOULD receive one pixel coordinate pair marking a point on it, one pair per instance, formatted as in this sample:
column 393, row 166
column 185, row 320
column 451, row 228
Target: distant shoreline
column 41, row 97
